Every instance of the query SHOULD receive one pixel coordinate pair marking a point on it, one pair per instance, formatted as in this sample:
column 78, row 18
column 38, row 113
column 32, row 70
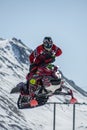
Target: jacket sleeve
column 31, row 57
column 57, row 50
column 35, row 54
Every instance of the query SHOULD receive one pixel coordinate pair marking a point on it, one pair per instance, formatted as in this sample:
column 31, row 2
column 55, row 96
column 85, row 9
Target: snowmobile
column 46, row 82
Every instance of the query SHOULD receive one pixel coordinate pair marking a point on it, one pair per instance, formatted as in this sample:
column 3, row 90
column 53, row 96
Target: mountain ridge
column 72, row 83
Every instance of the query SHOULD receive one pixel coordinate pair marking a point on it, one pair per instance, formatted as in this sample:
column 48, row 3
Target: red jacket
column 40, row 49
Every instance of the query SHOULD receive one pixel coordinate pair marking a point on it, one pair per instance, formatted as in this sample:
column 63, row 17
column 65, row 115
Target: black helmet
column 47, row 43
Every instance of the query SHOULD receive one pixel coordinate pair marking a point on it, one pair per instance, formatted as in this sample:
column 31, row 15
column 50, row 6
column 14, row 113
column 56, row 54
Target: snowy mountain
column 14, row 66
column 72, row 83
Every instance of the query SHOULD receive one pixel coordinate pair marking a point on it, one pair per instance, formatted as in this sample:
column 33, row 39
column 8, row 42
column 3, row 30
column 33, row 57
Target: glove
column 53, row 56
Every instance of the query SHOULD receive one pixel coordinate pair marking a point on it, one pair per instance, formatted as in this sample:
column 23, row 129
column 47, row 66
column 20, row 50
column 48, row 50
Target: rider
column 43, row 54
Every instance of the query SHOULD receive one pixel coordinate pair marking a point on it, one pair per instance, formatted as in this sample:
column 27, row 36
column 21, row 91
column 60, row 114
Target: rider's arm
column 56, row 50
column 33, row 56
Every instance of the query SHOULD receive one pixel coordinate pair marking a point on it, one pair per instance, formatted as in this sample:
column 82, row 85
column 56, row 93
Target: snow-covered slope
column 13, row 69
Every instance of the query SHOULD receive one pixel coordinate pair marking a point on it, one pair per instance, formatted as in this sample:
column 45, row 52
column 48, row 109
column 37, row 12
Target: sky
column 64, row 20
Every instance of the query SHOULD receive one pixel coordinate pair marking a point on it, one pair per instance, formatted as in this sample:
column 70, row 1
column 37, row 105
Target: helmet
column 47, row 43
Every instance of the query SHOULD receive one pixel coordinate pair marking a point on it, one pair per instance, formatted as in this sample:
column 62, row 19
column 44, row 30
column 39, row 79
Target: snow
column 12, row 72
